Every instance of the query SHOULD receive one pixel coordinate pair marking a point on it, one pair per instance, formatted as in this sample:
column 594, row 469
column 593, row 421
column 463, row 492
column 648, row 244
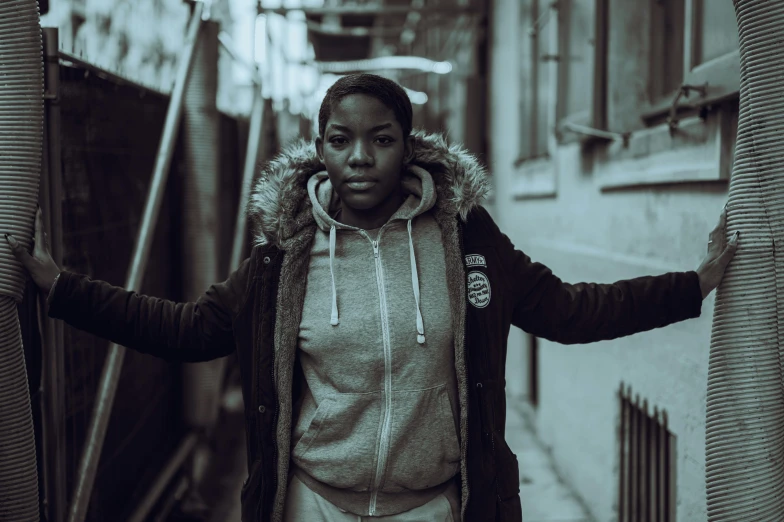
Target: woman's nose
column 360, row 155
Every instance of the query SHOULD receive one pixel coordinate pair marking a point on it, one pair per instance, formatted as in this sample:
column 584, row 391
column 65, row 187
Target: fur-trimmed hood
column 279, row 207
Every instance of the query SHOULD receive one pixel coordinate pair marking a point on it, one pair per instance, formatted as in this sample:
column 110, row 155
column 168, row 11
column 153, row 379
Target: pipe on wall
column 201, row 133
column 50, row 195
column 21, row 150
column 744, row 441
column 202, row 382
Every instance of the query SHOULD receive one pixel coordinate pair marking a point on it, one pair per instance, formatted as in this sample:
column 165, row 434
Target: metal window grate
column 646, row 485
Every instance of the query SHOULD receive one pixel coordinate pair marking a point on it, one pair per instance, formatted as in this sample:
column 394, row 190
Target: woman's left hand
column 720, row 253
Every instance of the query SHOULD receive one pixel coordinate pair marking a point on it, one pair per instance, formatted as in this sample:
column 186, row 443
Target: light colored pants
column 303, row 505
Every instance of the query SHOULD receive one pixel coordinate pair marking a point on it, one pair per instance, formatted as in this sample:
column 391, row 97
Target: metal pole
column 164, row 477
column 251, row 157
column 107, row 386
column 53, row 368
column 173, row 498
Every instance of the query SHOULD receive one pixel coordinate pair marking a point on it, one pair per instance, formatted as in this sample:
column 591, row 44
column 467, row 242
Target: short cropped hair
column 383, row 89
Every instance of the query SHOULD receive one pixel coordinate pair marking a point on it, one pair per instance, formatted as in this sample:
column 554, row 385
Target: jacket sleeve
column 547, row 307
column 186, row 332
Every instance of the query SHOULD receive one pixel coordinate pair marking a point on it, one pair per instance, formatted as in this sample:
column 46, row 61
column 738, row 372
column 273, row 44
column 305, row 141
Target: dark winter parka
column 257, row 312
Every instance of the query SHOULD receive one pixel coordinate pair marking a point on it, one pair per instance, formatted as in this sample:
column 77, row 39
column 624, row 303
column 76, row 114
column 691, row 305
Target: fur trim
column 291, row 297
column 279, row 206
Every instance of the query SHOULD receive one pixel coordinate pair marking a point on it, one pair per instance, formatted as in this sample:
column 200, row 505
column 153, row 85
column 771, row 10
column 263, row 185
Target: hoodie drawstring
column 415, row 284
column 334, row 321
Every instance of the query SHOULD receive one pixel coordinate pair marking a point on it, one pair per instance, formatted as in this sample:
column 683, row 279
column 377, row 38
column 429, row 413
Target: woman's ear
column 408, row 157
column 320, row 148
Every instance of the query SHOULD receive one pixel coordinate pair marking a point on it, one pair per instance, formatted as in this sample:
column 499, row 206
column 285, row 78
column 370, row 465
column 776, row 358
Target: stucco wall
column 584, row 234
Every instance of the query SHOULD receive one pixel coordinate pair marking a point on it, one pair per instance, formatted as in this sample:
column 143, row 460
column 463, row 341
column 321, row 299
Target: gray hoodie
column 376, row 431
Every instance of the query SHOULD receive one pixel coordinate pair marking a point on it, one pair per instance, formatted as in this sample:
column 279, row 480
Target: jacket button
column 266, row 260
column 262, row 409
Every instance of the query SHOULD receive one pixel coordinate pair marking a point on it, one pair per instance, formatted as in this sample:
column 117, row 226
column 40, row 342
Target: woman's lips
column 360, row 185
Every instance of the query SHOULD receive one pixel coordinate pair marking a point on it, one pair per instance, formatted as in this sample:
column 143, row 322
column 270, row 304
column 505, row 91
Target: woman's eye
column 384, row 140
column 338, row 140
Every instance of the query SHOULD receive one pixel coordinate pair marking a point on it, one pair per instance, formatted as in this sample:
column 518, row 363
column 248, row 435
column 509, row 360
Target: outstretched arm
column 550, row 308
column 187, row 332
column 588, row 312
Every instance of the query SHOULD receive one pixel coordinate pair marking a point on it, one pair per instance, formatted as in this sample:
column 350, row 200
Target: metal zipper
column 385, row 427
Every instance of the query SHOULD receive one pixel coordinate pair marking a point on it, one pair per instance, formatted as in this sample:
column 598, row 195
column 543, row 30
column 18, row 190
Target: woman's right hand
column 40, row 264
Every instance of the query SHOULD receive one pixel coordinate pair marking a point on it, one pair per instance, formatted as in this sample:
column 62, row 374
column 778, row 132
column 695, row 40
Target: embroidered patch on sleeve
column 478, row 289
column 475, row 260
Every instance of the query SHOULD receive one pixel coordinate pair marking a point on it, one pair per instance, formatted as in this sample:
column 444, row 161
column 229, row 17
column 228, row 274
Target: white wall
column 584, row 234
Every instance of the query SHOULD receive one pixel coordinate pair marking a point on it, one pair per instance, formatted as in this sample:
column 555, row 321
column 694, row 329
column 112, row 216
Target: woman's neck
column 372, row 218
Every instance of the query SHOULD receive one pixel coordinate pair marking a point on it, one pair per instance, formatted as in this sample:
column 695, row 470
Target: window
column 654, row 49
column 711, row 49
column 538, row 34
column 579, row 67
column 685, row 42
column 538, row 69
column 715, row 31
column 665, row 54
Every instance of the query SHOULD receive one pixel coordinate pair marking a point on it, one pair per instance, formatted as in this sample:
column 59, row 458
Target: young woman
column 371, row 321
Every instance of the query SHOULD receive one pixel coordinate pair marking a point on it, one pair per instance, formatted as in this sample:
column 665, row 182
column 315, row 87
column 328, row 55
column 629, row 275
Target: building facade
column 606, row 168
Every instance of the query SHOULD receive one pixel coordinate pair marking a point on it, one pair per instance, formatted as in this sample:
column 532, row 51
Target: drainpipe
column 744, row 441
column 202, row 136
column 50, row 196
column 248, row 173
column 21, row 146
column 201, row 140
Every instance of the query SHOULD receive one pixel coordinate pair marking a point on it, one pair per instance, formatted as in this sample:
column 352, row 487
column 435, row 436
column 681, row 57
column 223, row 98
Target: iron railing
column 646, row 485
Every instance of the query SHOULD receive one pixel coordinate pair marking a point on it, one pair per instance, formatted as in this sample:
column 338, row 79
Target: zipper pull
column 375, row 249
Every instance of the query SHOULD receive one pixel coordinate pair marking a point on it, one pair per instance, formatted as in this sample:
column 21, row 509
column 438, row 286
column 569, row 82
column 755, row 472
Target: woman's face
column 363, row 150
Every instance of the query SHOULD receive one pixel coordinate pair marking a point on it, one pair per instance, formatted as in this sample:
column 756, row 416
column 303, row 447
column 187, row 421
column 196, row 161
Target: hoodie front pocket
column 424, row 450
column 340, row 444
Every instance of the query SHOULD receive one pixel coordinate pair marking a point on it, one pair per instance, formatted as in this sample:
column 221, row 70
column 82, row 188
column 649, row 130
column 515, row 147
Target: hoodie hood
column 280, row 207
column 417, row 184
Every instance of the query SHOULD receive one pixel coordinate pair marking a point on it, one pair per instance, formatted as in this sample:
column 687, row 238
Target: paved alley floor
column 544, row 497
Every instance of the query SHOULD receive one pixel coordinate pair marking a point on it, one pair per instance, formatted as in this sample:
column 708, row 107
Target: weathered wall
column 142, row 40
column 585, row 234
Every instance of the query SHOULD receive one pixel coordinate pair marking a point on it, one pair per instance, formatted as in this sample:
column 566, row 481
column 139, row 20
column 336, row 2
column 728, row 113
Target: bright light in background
column 282, row 46
column 243, row 14
column 296, row 49
column 285, row 57
column 325, row 81
column 272, row 4
column 261, row 39
column 442, row 67
column 416, row 97
column 387, row 62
